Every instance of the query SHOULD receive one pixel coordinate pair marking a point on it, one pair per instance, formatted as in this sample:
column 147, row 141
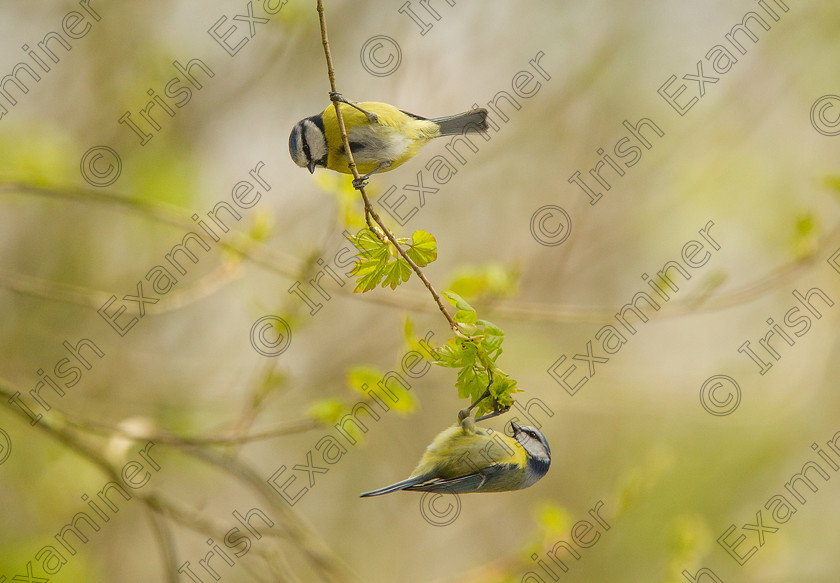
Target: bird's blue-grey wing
column 493, row 478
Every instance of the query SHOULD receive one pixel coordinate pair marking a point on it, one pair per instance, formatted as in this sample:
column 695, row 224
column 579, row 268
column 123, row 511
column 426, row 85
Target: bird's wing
column 415, row 116
column 404, row 485
column 485, row 480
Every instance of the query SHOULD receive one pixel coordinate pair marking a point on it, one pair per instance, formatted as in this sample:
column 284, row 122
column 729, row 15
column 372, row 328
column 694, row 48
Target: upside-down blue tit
column 465, row 459
column 381, row 136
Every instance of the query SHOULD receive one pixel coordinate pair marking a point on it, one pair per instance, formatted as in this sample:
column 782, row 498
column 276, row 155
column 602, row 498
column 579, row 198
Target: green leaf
column 833, row 182
column 458, row 301
column 475, row 357
column 364, row 378
column 492, row 280
column 449, row 355
column 465, row 317
column 261, row 226
column 422, row 249
column 490, row 328
column 326, row 411
column 806, row 235
column 466, row 352
column 369, row 281
column 366, row 242
column 804, row 224
column 553, row 518
column 492, row 346
column 360, row 377
column 365, row 267
column 396, row 272
column 405, row 402
column 380, row 262
column 503, row 389
column 471, row 383
column 688, row 534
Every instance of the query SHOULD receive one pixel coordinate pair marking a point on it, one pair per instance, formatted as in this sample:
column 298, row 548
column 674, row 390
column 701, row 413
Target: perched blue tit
column 381, row 136
column 465, row 459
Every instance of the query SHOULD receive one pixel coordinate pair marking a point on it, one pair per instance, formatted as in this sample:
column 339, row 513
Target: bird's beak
column 311, row 167
column 515, row 427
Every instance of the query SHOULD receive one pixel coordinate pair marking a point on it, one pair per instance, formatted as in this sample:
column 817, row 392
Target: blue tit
column 381, row 136
column 465, row 459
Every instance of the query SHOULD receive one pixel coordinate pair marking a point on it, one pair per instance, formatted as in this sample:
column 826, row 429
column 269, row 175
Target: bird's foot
column 361, row 181
column 467, row 422
column 336, row 96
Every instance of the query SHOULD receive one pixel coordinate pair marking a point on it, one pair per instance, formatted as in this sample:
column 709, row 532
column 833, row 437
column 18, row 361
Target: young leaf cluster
column 379, row 262
column 474, row 354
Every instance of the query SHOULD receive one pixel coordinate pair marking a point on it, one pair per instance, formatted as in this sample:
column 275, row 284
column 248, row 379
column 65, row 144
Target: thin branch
column 73, row 443
column 301, row 535
column 369, row 210
column 168, row 214
column 58, row 291
column 265, row 257
column 259, row 396
column 290, row 428
column 193, row 521
column 315, row 550
column 167, row 544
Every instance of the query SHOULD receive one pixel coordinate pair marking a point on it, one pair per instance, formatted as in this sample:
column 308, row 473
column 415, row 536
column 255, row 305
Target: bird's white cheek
column 318, row 150
column 316, row 141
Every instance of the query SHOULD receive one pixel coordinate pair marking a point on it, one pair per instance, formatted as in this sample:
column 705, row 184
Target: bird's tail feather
column 394, row 487
column 472, row 121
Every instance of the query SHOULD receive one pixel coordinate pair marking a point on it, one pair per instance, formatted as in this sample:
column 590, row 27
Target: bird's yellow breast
column 395, row 137
column 458, row 451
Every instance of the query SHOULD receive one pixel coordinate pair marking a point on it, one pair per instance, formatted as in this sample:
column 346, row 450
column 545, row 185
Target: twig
column 369, row 210
column 297, row 531
column 167, row 544
column 329, row 567
column 265, row 257
column 290, row 428
column 82, row 449
column 58, row 291
column 167, row 214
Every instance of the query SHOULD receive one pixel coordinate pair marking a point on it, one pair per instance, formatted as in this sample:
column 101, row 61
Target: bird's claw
column 467, row 422
column 360, row 183
column 336, row 96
